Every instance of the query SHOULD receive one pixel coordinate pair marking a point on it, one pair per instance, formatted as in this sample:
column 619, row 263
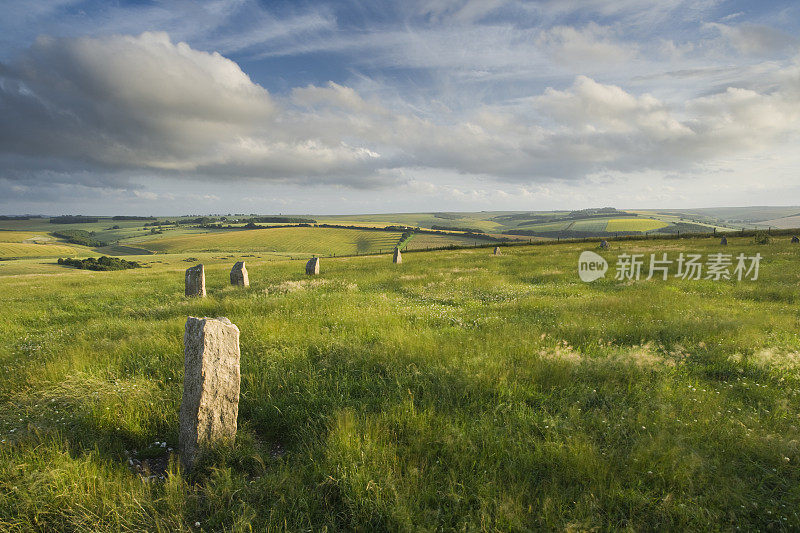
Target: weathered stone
column 195, row 281
column 312, row 267
column 397, row 257
column 210, row 403
column 239, row 275
column 497, row 251
column 795, row 239
column 603, row 244
column 724, row 241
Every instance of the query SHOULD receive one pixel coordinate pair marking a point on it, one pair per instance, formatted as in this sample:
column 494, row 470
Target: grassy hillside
column 198, row 233
column 320, row 241
column 422, row 241
column 27, row 244
column 752, row 215
column 457, row 391
column 783, row 223
column 14, row 249
column 24, row 236
column 480, row 221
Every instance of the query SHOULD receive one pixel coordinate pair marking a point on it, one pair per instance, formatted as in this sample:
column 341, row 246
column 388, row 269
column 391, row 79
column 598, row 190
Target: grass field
column 126, row 237
column 320, row 241
column 479, row 221
column 457, row 391
column 634, row 224
column 25, row 244
column 422, row 241
column 21, row 249
column 596, row 225
column 547, row 226
column 785, row 222
column 23, row 236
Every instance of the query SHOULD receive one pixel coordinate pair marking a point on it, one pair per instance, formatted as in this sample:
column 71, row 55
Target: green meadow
column 456, row 391
column 320, row 241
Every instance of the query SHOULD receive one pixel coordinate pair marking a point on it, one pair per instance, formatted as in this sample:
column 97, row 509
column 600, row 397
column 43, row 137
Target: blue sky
column 337, row 107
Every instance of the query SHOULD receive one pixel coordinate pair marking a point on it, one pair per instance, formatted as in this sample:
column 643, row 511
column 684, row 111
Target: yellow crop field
column 22, row 236
column 320, row 241
column 635, row 224
column 23, row 249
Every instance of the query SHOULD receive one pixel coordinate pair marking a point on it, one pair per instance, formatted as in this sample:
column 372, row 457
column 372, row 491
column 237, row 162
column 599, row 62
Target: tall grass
column 459, row 390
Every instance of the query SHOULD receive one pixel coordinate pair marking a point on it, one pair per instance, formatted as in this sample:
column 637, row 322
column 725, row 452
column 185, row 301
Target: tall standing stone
column 497, row 251
column 312, row 267
column 724, row 241
column 239, row 275
column 397, row 257
column 210, row 404
column 196, row 281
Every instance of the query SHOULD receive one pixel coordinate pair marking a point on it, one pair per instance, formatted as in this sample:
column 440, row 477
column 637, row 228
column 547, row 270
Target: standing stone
column 196, row 281
column 497, row 251
column 795, row 239
column 604, row 244
column 724, row 241
column 397, row 257
column 312, row 267
column 210, row 403
column 239, row 275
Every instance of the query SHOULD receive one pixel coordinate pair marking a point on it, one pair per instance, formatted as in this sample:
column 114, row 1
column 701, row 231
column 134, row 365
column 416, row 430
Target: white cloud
column 605, row 127
column 755, row 39
column 587, row 45
column 333, row 95
column 143, row 102
column 596, row 108
column 458, row 10
column 113, row 106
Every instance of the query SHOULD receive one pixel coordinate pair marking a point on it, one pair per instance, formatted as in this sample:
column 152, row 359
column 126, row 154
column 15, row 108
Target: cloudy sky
column 148, row 107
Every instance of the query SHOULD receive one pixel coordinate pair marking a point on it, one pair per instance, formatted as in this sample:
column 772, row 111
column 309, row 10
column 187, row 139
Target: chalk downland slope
column 319, row 241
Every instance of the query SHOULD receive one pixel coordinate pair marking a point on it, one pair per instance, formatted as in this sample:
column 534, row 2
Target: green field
column 423, row 241
column 20, row 249
column 548, row 226
column 187, row 235
column 481, row 221
column 319, row 241
column 592, row 225
column 570, row 226
column 457, row 391
column 15, row 244
column 24, row 236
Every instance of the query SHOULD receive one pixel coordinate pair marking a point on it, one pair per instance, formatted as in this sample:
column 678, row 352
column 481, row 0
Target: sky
column 244, row 106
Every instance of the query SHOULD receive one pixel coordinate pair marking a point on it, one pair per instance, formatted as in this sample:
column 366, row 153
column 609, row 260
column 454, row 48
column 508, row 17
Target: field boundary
column 572, row 240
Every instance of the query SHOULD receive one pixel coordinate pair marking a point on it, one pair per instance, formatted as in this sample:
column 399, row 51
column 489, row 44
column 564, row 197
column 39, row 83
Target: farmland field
column 457, row 391
column 785, row 222
column 20, row 249
column 634, row 224
column 596, row 225
column 24, row 236
column 21, row 244
column 427, row 220
column 421, row 241
column 320, row 241
column 547, row 226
